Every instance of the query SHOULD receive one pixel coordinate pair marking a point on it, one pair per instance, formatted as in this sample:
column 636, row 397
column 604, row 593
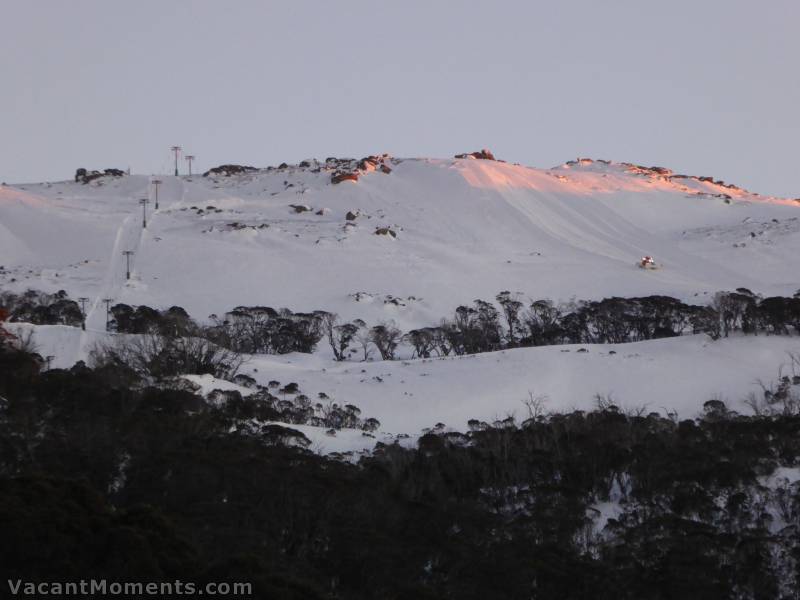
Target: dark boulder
column 385, row 231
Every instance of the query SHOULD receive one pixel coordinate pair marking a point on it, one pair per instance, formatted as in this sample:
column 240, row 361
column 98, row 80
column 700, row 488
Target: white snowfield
column 463, row 229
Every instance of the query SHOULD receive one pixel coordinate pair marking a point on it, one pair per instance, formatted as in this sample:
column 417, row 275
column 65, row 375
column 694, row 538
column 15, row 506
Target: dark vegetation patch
column 512, row 322
column 41, row 308
column 245, row 329
column 103, row 474
column 228, row 170
column 508, row 322
column 84, row 176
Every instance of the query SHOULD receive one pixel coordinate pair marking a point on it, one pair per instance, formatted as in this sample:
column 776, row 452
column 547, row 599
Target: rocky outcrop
column 481, row 154
column 350, row 169
column 340, row 176
column 368, row 163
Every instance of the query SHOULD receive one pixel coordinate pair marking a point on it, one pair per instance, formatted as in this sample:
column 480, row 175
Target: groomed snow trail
column 130, row 236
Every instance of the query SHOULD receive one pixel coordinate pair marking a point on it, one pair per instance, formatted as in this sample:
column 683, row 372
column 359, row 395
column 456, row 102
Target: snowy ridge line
column 457, row 230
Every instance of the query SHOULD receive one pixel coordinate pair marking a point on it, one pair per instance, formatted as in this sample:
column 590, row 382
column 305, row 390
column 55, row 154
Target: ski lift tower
column 176, row 150
column 127, row 254
column 156, row 183
column 144, row 202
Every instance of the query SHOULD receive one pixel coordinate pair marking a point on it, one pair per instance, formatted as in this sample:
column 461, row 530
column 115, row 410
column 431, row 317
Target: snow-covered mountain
column 409, row 240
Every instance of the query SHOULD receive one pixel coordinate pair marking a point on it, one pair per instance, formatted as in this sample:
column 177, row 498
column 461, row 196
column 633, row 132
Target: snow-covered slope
column 675, row 374
column 408, row 396
column 465, row 229
column 453, row 230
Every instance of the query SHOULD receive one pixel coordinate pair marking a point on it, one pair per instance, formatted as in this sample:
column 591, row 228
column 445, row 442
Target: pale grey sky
column 703, row 87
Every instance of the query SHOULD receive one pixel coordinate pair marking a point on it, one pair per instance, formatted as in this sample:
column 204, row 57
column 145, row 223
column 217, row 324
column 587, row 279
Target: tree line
column 41, row 308
column 483, row 326
column 513, row 323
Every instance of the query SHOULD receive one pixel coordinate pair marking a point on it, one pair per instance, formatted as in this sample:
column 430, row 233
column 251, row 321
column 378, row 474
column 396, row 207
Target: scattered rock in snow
column 393, row 300
column 361, row 296
column 385, row 231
